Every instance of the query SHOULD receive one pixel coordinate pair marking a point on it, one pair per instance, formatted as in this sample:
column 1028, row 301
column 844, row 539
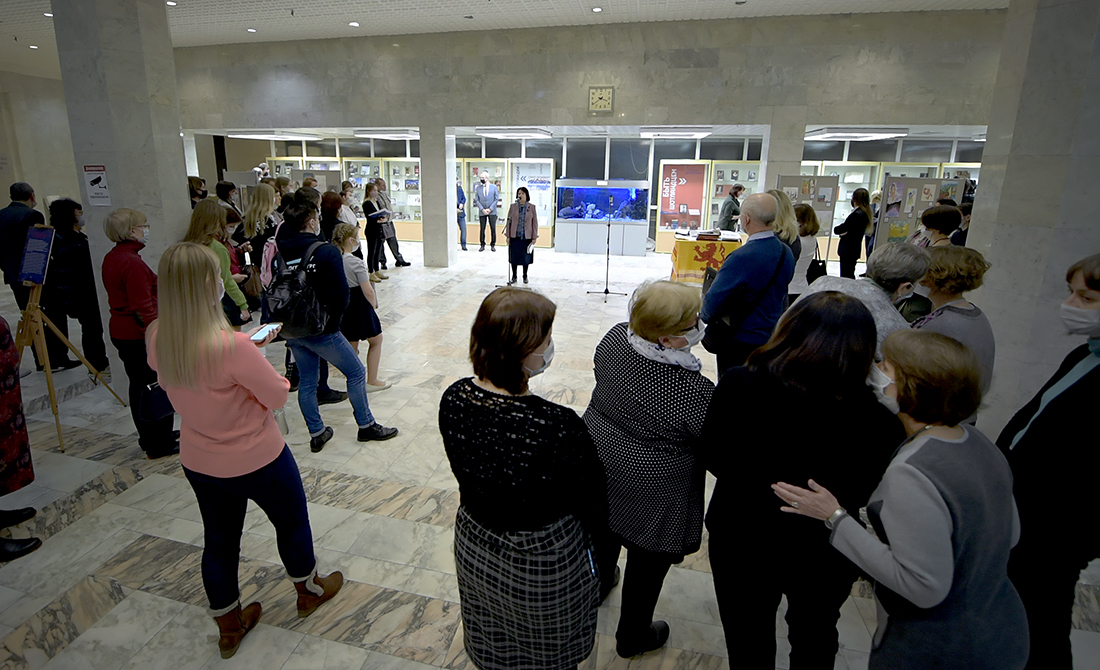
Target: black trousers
column 848, row 267
column 1045, row 575
column 374, row 247
column 642, row 582
column 749, row 584
column 491, row 219
column 153, row 436
column 733, row 356
column 86, row 312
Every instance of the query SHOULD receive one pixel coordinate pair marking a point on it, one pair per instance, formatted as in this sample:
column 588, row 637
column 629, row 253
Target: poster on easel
column 904, row 199
column 36, row 255
column 818, row 192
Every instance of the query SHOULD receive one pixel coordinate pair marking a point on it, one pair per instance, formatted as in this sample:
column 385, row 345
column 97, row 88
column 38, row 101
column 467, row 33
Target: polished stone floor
column 117, row 583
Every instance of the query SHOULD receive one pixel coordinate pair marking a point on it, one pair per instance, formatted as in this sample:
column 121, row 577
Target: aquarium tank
column 596, row 202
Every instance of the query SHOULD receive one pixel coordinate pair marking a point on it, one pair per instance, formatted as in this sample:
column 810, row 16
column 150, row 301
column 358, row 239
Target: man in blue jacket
column 485, row 199
column 462, row 217
column 750, row 292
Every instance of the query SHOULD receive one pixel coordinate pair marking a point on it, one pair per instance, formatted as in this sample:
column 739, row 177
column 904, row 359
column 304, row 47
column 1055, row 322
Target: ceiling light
column 288, row 136
column 597, row 10
column 354, row 24
column 676, row 132
column 33, row 46
column 251, row 30
column 514, row 133
column 388, row 133
column 856, row 134
column 171, row 3
column 48, row 15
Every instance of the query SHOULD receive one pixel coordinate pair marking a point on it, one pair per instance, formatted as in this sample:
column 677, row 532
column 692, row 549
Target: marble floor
column 117, row 583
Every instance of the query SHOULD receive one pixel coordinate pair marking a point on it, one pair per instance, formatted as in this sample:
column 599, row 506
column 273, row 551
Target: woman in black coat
column 70, row 288
column 852, row 232
column 816, row 364
column 1054, row 478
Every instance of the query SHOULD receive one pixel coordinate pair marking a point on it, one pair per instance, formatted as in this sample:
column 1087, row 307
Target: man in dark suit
column 15, row 220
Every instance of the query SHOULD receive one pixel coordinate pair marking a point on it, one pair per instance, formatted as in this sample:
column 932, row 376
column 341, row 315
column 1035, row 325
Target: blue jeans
column 223, row 501
column 462, row 230
column 334, row 348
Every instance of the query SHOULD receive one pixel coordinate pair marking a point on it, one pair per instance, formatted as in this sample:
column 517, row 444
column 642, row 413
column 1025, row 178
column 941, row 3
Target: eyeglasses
column 144, row 226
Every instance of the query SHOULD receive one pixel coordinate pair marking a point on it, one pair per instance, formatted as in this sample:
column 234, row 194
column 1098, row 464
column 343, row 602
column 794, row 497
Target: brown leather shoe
column 234, row 625
column 316, row 590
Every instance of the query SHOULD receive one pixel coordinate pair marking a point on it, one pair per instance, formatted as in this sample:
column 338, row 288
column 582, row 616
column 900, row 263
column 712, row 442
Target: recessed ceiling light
column 33, row 47
column 251, row 30
column 396, row 44
column 354, row 24
column 171, row 3
column 47, row 15
column 597, row 9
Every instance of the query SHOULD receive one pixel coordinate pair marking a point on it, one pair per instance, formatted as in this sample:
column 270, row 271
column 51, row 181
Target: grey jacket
column 486, row 196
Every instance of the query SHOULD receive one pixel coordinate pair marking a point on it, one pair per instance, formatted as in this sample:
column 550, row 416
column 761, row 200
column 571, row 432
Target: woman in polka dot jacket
column 645, row 416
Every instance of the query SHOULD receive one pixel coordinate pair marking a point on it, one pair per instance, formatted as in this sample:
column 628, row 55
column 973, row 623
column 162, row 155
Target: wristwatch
column 833, row 520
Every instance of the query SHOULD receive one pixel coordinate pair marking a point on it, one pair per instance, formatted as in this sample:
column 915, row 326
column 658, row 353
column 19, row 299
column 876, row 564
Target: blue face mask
column 547, row 357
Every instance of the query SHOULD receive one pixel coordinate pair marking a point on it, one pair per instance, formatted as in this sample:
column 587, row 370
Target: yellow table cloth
column 691, row 258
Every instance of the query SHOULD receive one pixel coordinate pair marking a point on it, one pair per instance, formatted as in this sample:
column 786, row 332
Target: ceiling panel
column 204, row 22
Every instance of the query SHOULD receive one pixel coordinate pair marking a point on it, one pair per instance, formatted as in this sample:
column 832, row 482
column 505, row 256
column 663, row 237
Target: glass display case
column 588, row 213
column 358, row 171
column 321, row 163
column 538, row 177
column 497, row 168
column 956, row 170
column 723, row 175
column 281, row 167
column 402, row 177
column 810, row 168
column 851, row 176
column 909, row 170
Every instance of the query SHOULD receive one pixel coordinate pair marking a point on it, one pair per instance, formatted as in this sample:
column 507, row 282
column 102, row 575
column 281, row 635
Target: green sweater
column 231, row 287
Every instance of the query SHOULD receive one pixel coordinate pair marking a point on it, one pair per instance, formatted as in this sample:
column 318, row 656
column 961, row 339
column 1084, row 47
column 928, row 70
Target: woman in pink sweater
column 230, row 446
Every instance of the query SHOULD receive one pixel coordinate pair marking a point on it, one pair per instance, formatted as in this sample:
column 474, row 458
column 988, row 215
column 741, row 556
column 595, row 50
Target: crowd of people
column 969, row 570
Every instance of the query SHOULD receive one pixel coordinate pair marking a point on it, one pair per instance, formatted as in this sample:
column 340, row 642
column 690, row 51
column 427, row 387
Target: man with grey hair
column 750, row 292
column 893, row 271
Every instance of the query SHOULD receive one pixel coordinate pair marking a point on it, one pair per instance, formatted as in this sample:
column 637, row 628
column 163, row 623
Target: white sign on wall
column 95, row 182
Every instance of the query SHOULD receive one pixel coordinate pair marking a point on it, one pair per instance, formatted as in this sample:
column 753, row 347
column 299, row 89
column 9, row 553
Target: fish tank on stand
column 586, row 208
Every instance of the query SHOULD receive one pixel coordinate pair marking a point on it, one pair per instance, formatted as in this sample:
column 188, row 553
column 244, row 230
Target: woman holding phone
column 231, row 457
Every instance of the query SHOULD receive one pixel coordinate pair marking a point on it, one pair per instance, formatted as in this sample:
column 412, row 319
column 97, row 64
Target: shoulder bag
column 817, row 268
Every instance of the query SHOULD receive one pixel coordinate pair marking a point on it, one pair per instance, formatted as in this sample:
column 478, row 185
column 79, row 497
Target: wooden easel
column 32, row 333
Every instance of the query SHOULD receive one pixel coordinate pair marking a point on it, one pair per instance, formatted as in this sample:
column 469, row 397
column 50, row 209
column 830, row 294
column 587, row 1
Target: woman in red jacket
column 132, row 295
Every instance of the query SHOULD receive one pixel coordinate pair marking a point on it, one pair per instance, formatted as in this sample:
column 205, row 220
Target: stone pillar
column 1035, row 211
column 440, row 199
column 119, row 76
column 781, row 152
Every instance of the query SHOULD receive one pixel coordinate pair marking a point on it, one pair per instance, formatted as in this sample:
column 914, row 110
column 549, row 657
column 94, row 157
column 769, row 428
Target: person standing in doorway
column 461, row 214
column 485, row 199
column 522, row 231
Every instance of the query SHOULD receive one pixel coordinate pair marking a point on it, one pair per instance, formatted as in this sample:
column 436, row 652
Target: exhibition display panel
column 723, row 175
column 851, row 176
column 684, row 189
column 589, row 211
column 402, row 177
column 820, row 193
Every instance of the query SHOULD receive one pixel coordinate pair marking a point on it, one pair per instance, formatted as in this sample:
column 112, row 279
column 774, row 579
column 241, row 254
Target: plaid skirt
column 528, row 598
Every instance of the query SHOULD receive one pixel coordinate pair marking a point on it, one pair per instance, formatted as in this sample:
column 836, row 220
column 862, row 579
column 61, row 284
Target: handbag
column 817, row 268
column 252, row 286
column 153, row 404
column 718, row 336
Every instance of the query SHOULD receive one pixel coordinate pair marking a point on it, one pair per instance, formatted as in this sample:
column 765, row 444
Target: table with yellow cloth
column 691, row 258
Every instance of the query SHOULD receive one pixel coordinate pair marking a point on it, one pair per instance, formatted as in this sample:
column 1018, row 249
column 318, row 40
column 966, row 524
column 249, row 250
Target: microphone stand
column 607, row 265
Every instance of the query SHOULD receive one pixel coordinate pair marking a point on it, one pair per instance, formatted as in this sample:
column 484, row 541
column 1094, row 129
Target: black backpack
column 290, row 299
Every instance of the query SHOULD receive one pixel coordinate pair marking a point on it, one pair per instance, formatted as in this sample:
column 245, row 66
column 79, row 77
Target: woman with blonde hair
column 786, row 223
column 230, row 456
column 259, row 221
column 208, row 221
column 131, row 287
column 360, row 321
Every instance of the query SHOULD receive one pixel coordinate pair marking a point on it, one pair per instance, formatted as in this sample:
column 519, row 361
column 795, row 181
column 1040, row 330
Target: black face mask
column 203, row 193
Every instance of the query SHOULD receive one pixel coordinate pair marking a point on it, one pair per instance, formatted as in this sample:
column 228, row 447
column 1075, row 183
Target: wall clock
column 600, row 98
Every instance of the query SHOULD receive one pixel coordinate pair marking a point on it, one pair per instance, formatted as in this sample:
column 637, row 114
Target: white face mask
column 878, row 381
column 81, row 222
column 693, row 336
column 1081, row 321
column 547, row 356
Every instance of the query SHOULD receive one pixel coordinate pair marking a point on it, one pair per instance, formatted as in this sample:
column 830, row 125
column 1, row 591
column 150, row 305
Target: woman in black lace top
column 532, row 490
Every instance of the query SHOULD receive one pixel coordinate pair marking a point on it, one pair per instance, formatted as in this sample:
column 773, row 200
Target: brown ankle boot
column 315, row 590
column 234, row 624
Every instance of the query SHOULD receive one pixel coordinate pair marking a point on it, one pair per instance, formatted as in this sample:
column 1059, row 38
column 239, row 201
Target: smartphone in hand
column 264, row 331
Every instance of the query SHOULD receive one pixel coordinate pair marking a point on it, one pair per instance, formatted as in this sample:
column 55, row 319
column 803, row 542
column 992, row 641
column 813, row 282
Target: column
column 119, row 75
column 1035, row 210
column 781, row 152
column 440, row 199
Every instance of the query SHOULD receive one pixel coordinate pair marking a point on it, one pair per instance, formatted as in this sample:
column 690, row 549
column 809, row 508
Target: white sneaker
column 372, row 388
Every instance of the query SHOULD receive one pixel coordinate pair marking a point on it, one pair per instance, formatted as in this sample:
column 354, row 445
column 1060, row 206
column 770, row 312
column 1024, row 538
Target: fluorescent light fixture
column 388, row 133
column 597, row 10
column 856, row 134
column 47, row 15
column 514, row 133
column 251, row 30
column 354, row 24
column 275, row 135
column 676, row 132
column 980, row 137
column 171, row 3
column 33, row 46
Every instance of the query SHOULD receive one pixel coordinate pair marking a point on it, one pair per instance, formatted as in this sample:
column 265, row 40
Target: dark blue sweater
column 744, row 274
